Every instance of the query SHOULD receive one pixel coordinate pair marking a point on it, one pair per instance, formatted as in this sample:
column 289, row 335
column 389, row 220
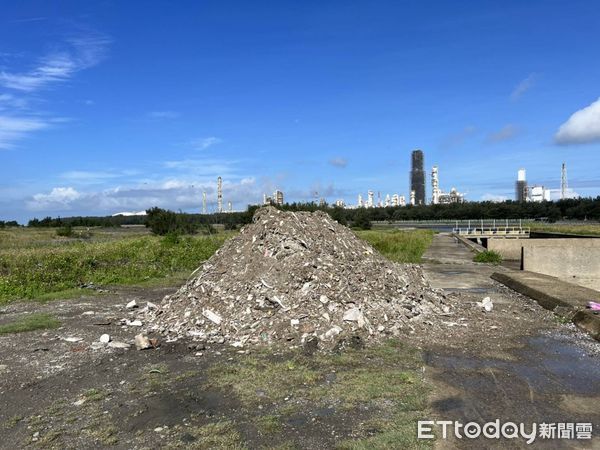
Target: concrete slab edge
column 586, row 320
column 469, row 244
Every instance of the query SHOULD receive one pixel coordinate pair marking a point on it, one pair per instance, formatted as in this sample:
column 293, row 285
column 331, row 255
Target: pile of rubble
column 295, row 277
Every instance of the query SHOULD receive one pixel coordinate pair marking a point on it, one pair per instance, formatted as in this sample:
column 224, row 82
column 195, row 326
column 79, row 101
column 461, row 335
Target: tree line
column 161, row 219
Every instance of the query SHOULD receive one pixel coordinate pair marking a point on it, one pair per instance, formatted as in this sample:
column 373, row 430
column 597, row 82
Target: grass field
column 397, row 245
column 34, row 264
column 591, row 229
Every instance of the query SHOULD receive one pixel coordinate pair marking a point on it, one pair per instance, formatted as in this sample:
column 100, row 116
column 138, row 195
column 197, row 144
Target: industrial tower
column 563, row 182
column 417, row 177
column 521, row 187
column 219, row 195
column 204, row 202
column 435, row 186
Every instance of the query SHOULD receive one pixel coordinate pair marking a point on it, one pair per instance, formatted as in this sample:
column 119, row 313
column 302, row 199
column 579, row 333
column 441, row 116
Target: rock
column 486, row 304
column 105, row 338
column 151, row 306
column 215, row 318
column 142, row 342
column 294, row 322
column 354, row 315
column 79, row 402
column 122, row 345
column 73, row 339
column 132, row 304
column 333, row 332
column 134, row 323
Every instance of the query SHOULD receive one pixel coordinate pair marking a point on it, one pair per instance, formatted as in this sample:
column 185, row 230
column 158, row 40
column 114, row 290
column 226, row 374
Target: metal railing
column 493, row 231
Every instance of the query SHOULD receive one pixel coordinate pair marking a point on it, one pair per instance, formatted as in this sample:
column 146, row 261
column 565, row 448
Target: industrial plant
column 275, row 199
column 539, row 193
column 417, row 195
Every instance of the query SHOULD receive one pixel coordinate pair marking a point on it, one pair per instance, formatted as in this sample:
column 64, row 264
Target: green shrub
column 171, row 238
column 488, row 256
column 66, row 231
column 162, row 222
column 362, row 220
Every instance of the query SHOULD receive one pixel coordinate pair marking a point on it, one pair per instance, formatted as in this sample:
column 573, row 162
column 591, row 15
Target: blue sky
column 111, row 106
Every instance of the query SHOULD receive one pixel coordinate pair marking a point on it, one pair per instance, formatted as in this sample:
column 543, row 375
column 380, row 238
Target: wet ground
column 537, row 370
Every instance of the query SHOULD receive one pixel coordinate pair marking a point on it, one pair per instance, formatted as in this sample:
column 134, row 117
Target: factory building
column 539, row 194
column 417, row 177
column 439, row 197
column 275, row 199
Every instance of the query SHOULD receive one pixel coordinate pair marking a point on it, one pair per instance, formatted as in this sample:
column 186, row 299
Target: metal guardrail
column 493, row 231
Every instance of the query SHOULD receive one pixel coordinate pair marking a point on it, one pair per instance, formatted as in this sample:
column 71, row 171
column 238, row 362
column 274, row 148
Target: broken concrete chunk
column 142, row 342
column 132, row 304
column 486, row 304
column 122, row 345
column 333, row 332
column 213, row 317
column 105, row 338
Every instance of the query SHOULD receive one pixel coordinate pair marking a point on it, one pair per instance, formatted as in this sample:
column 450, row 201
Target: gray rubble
column 289, row 276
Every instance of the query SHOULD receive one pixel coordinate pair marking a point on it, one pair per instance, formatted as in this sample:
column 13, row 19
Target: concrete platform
column 556, row 295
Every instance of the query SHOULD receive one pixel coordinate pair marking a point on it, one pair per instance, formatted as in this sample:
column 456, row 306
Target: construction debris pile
column 296, row 277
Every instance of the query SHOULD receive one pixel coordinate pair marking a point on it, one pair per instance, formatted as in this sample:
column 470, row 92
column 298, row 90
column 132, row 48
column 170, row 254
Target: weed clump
column 489, row 257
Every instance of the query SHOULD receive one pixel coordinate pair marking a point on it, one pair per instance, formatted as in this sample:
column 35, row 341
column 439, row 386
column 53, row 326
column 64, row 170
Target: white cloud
column 204, row 143
column 504, row 134
column 172, row 194
column 338, row 162
column 59, row 198
column 78, row 54
column 523, row 87
column 583, row 126
column 14, row 128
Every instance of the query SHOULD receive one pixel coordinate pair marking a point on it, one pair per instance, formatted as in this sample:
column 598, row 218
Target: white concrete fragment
column 213, row 317
column 105, row 338
column 332, row 332
column 132, row 304
column 142, row 342
column 486, row 304
column 294, row 322
column 114, row 344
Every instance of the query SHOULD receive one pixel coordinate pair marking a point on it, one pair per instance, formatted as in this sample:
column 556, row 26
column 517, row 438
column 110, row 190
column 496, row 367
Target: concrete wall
column 578, row 263
column 510, row 249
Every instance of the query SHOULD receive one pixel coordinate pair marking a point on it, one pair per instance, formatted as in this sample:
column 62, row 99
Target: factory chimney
column 219, row 195
column 521, row 187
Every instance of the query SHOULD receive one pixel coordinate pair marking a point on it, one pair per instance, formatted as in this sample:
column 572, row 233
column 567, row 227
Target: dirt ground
column 517, row 362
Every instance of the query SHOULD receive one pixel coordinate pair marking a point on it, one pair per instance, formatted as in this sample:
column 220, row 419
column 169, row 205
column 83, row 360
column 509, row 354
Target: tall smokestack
column 219, row 195
column 204, row 202
column 521, row 187
column 563, row 182
column 417, row 177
